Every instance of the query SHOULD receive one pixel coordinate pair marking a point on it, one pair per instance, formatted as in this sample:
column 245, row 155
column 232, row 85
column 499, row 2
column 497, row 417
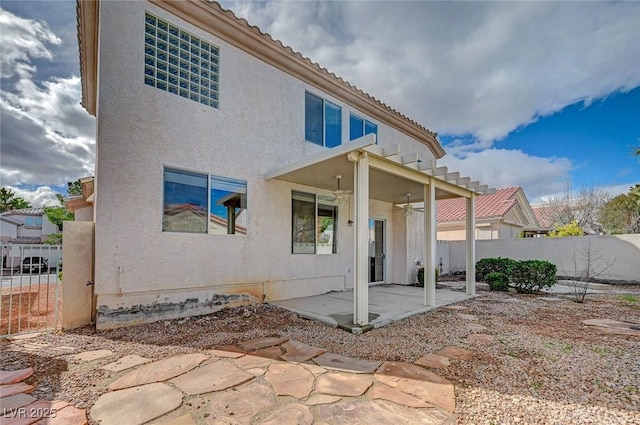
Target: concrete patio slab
column 388, row 304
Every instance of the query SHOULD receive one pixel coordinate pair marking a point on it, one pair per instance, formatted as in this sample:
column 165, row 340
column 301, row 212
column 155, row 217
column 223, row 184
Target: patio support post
column 471, row 244
column 430, row 248
column 361, row 196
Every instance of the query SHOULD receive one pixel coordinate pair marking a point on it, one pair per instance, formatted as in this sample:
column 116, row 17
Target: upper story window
column 322, row 121
column 203, row 203
column 359, row 127
column 179, row 62
column 33, row 221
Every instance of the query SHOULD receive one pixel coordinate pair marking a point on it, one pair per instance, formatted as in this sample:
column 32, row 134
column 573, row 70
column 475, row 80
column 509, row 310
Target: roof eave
column 88, row 23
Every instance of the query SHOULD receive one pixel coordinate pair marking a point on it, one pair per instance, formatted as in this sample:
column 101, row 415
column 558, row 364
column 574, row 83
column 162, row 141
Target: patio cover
column 386, row 174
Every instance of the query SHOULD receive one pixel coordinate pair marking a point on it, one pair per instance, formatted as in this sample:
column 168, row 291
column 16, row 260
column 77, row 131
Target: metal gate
column 30, row 280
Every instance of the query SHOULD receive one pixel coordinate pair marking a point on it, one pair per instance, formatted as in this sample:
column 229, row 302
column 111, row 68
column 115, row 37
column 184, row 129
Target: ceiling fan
column 408, row 208
column 340, row 193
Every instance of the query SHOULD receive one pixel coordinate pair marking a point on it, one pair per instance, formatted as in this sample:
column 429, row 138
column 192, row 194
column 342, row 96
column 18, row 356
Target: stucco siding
column 259, row 126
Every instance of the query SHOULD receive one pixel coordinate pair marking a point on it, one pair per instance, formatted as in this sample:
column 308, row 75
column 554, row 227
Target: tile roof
column 496, row 205
column 547, row 215
column 25, row 211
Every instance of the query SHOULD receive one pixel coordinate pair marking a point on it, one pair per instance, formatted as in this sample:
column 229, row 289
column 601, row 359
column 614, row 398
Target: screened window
column 323, row 121
column 202, row 203
column 359, row 127
column 314, row 224
column 179, row 62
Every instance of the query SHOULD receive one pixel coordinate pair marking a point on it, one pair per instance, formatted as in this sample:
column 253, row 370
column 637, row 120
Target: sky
column 544, row 95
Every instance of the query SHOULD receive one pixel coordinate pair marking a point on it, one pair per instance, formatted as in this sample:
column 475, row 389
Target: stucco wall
column 624, row 250
column 258, row 127
column 77, row 271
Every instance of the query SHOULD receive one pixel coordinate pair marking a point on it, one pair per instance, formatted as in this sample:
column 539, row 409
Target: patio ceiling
column 391, row 175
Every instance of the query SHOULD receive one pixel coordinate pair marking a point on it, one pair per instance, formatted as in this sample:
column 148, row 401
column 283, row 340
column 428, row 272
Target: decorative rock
column 379, row 412
column 343, row 384
column 135, row 405
column 216, row 376
column 15, row 401
column 346, row 364
column 418, row 382
column 180, row 420
column 14, row 376
column 385, row 392
column 466, row 316
column 457, row 353
column 125, row 363
column 258, row 343
column 159, row 371
column 89, row 356
column 476, row 327
column 11, row 389
column 433, row 360
column 240, row 405
column 481, row 338
column 299, row 352
column 290, row 379
column 317, row 399
column 290, row 414
column 454, row 307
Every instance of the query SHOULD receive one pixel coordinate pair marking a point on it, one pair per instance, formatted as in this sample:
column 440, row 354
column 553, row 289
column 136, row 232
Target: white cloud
column 43, row 196
column 480, row 68
column 500, row 168
column 47, row 138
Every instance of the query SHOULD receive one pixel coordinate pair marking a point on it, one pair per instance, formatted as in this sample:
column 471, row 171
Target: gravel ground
column 544, row 366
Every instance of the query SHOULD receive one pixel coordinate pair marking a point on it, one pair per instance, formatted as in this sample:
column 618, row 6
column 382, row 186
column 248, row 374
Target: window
column 322, row 121
column 314, row 224
column 202, row 203
column 179, row 62
column 359, row 127
column 34, row 221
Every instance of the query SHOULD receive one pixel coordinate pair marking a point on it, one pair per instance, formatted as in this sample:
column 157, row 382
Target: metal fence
column 31, row 290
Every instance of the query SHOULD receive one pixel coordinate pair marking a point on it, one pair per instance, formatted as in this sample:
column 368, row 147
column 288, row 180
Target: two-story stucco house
column 26, row 226
column 229, row 168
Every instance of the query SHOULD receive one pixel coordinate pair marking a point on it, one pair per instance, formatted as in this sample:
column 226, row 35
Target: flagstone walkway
column 268, row 380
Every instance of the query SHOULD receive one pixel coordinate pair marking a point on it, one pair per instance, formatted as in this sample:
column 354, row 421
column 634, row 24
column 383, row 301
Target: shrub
column 498, row 281
column 489, row 265
column 531, row 276
column 421, row 276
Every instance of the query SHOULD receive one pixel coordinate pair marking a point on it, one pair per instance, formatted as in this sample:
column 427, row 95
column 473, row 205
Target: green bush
column 531, row 276
column 498, row 281
column 490, row 265
column 421, row 276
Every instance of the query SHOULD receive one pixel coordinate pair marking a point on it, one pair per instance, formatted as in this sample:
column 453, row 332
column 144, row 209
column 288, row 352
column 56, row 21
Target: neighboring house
column 550, row 216
column 504, row 214
column 82, row 205
column 201, row 115
column 25, row 226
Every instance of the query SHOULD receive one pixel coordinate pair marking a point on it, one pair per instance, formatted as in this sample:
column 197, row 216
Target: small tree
column 588, row 264
column 570, row 229
column 57, row 215
column 582, row 206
